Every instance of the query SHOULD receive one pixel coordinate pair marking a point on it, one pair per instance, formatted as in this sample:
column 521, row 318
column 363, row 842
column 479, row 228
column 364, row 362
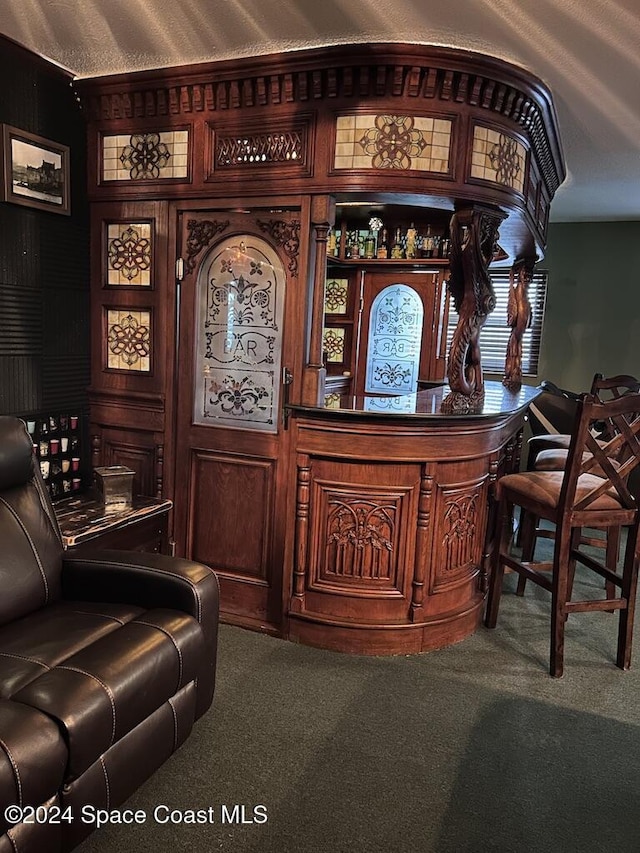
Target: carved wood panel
column 460, row 519
column 358, row 533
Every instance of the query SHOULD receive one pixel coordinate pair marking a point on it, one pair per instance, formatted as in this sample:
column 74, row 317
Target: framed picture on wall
column 35, row 171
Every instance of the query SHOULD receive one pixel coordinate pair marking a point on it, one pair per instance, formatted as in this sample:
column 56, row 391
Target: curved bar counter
column 383, row 545
column 394, row 517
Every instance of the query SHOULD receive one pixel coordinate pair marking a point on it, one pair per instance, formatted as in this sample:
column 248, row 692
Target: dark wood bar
column 255, row 225
column 393, row 528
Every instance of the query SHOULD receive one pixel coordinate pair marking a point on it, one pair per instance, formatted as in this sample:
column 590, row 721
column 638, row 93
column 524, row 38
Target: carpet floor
column 469, row 749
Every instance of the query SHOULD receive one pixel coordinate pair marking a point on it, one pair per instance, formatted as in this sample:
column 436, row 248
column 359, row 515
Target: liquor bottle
column 411, row 241
column 331, row 243
column 370, row 245
column 428, row 243
column 383, row 246
column 396, row 250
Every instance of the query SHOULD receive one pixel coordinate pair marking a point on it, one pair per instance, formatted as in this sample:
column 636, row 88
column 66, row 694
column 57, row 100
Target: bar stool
column 592, row 491
column 549, row 453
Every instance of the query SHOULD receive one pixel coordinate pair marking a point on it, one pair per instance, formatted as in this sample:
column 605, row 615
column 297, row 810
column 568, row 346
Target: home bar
column 277, row 245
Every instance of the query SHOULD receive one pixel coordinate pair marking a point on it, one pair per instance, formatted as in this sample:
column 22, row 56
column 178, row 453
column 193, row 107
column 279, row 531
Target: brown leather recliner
column 106, row 660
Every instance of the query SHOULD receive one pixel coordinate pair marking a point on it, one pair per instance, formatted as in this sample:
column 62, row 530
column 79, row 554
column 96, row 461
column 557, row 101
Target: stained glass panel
column 128, row 340
column 498, row 157
column 395, row 337
column 145, row 156
column 333, row 344
column 336, row 293
column 241, row 289
column 371, row 141
column 128, row 252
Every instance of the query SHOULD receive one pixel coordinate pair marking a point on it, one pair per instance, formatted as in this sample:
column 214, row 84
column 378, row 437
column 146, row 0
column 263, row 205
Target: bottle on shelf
column 331, row 242
column 370, row 245
column 427, row 244
column 382, row 251
column 397, row 251
column 410, row 250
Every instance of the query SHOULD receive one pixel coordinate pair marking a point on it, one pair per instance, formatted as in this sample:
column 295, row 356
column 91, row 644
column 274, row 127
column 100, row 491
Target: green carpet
column 469, row 749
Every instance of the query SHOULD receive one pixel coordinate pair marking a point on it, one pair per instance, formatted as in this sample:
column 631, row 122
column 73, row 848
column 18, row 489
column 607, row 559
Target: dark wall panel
column 44, row 257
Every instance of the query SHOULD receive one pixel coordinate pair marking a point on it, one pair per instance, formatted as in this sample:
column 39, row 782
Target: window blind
column 495, row 332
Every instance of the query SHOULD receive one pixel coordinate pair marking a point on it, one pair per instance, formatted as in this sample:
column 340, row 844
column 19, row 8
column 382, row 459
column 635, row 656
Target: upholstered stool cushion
column 544, row 487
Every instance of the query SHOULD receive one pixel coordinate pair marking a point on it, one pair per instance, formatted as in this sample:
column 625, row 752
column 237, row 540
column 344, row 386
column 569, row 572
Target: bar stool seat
column 572, row 500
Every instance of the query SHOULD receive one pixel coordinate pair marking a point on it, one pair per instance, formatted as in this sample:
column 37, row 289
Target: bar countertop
column 426, row 404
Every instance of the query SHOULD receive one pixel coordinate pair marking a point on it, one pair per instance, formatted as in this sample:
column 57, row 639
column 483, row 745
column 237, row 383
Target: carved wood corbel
column 519, row 318
column 474, row 235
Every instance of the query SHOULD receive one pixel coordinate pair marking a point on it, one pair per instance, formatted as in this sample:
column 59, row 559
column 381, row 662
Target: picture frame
column 35, row 171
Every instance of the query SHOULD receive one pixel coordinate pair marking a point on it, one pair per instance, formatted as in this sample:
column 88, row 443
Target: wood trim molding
column 343, row 73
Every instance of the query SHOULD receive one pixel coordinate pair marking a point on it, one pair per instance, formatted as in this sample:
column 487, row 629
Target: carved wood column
column 474, row 234
column 519, row 318
column 313, row 384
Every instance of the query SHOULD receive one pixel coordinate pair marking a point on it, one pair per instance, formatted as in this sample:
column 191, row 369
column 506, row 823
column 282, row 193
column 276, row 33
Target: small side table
column 142, row 527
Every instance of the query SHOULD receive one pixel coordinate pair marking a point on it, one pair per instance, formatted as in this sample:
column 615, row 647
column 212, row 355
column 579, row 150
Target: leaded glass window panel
column 333, row 345
column 129, row 254
column 395, row 336
column 241, row 290
column 128, row 340
column 336, row 295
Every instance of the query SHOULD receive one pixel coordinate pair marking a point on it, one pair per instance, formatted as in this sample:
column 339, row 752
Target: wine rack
column 59, row 446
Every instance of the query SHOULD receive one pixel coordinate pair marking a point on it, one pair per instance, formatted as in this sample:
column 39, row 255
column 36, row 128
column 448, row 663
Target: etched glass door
column 241, row 291
column 242, row 326
column 394, row 340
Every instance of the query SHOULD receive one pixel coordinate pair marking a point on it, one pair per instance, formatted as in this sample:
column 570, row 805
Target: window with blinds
column 495, row 332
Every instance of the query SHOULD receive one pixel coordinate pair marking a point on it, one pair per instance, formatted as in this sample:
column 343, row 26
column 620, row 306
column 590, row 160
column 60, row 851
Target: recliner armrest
column 150, row 581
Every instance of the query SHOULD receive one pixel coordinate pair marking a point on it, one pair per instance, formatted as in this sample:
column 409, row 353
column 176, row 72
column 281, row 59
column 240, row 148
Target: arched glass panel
column 395, row 336
column 241, row 288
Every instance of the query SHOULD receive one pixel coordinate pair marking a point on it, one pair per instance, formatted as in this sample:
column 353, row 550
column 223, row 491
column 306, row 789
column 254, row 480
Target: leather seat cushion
column 33, row 756
column 101, row 689
column 544, row 487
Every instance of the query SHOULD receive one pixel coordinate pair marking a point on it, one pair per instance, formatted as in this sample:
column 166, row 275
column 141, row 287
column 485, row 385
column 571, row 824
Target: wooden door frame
column 430, row 318
column 298, row 302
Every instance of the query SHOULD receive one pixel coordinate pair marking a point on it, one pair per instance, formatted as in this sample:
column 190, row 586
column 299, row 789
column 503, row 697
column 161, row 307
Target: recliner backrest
column 30, row 542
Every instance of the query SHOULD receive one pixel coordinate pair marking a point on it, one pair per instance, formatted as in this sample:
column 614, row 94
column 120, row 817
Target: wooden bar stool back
column 592, row 491
column 549, row 453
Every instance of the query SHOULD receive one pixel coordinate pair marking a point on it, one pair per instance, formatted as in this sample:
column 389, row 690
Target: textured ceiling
column 587, row 51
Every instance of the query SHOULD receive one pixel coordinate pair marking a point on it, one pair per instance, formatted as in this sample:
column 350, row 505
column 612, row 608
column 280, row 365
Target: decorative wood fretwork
column 474, row 234
column 287, row 235
column 201, row 233
column 258, row 149
column 519, row 318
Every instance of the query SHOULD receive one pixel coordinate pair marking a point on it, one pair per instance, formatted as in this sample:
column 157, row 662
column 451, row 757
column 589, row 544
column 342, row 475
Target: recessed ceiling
column 588, row 53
